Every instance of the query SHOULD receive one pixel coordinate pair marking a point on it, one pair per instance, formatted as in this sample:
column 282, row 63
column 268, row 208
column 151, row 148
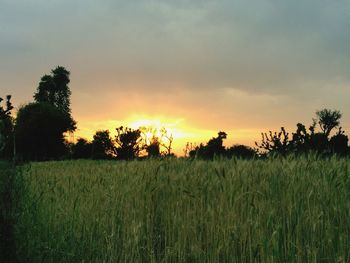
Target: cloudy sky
column 198, row 67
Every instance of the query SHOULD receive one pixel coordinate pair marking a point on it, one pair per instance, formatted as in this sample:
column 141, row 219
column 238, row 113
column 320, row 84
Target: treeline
column 128, row 144
column 305, row 140
column 39, row 133
column 302, row 141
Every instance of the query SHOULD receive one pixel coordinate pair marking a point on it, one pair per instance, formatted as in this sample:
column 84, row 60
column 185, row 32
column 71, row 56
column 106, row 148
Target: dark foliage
column 318, row 142
column 40, row 129
column 129, row 143
column 102, row 145
column 82, row 149
column 301, row 139
column 166, row 141
column 153, row 149
column 6, row 129
column 339, row 143
column 53, row 89
column 241, row 151
column 328, row 120
column 275, row 142
column 214, row 147
column 156, row 142
column 304, row 141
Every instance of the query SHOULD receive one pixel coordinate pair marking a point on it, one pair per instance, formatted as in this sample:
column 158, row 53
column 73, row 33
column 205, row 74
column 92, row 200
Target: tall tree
column 153, row 148
column 129, row 143
column 328, row 120
column 40, row 129
column 102, row 145
column 214, row 147
column 54, row 89
column 241, row 151
column 82, row 149
column 6, row 128
column 275, row 142
column 339, row 143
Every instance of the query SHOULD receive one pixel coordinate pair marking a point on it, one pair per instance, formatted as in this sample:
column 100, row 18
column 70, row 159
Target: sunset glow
column 180, row 129
column 192, row 68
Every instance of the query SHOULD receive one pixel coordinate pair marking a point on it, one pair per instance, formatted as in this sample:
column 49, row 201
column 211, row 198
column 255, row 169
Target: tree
column 6, row 128
column 102, row 145
column 189, row 149
column 129, row 143
column 166, row 141
column 150, row 141
column 339, row 143
column 328, row 120
column 214, row 147
column 301, row 139
column 153, row 148
column 40, row 129
column 82, row 149
column 53, row 89
column 157, row 142
column 318, row 142
column 275, row 142
column 241, row 151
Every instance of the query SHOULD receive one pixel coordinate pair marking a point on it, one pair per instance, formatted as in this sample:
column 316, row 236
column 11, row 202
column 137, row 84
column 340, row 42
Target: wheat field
column 277, row 210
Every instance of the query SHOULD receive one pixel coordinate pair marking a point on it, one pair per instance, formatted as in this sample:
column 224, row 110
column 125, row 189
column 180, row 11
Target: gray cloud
column 297, row 50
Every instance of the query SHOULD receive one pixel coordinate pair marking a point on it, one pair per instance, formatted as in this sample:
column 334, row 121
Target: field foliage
column 278, row 210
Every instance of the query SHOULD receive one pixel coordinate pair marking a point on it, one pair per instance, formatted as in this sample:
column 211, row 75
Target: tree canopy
column 54, row 89
column 6, row 128
column 129, row 143
column 328, row 120
column 40, row 129
column 103, row 145
column 304, row 141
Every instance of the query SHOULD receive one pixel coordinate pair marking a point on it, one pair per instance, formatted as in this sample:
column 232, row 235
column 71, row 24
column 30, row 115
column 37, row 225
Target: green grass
column 281, row 210
column 7, row 205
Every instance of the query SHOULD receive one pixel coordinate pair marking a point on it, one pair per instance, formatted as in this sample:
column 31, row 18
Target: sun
column 154, row 126
column 180, row 129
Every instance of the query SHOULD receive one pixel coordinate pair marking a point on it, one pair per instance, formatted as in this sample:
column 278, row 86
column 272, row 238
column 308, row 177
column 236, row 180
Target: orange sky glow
column 180, row 129
column 192, row 67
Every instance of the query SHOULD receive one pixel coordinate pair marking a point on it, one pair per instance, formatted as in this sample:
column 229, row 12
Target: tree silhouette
column 102, row 145
column 275, row 142
column 150, row 141
column 153, row 148
column 214, row 147
column 40, row 129
column 339, row 143
column 157, row 142
column 318, row 143
column 328, row 120
column 189, row 148
column 241, row 151
column 301, row 139
column 6, row 128
column 53, row 89
column 82, row 149
column 166, row 141
column 129, row 143
column 304, row 141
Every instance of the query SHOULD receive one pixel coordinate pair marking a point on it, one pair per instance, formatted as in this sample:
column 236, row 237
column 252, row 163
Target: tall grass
column 7, row 208
column 280, row 210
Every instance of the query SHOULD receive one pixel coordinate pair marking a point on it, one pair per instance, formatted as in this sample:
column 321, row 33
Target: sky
column 195, row 67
